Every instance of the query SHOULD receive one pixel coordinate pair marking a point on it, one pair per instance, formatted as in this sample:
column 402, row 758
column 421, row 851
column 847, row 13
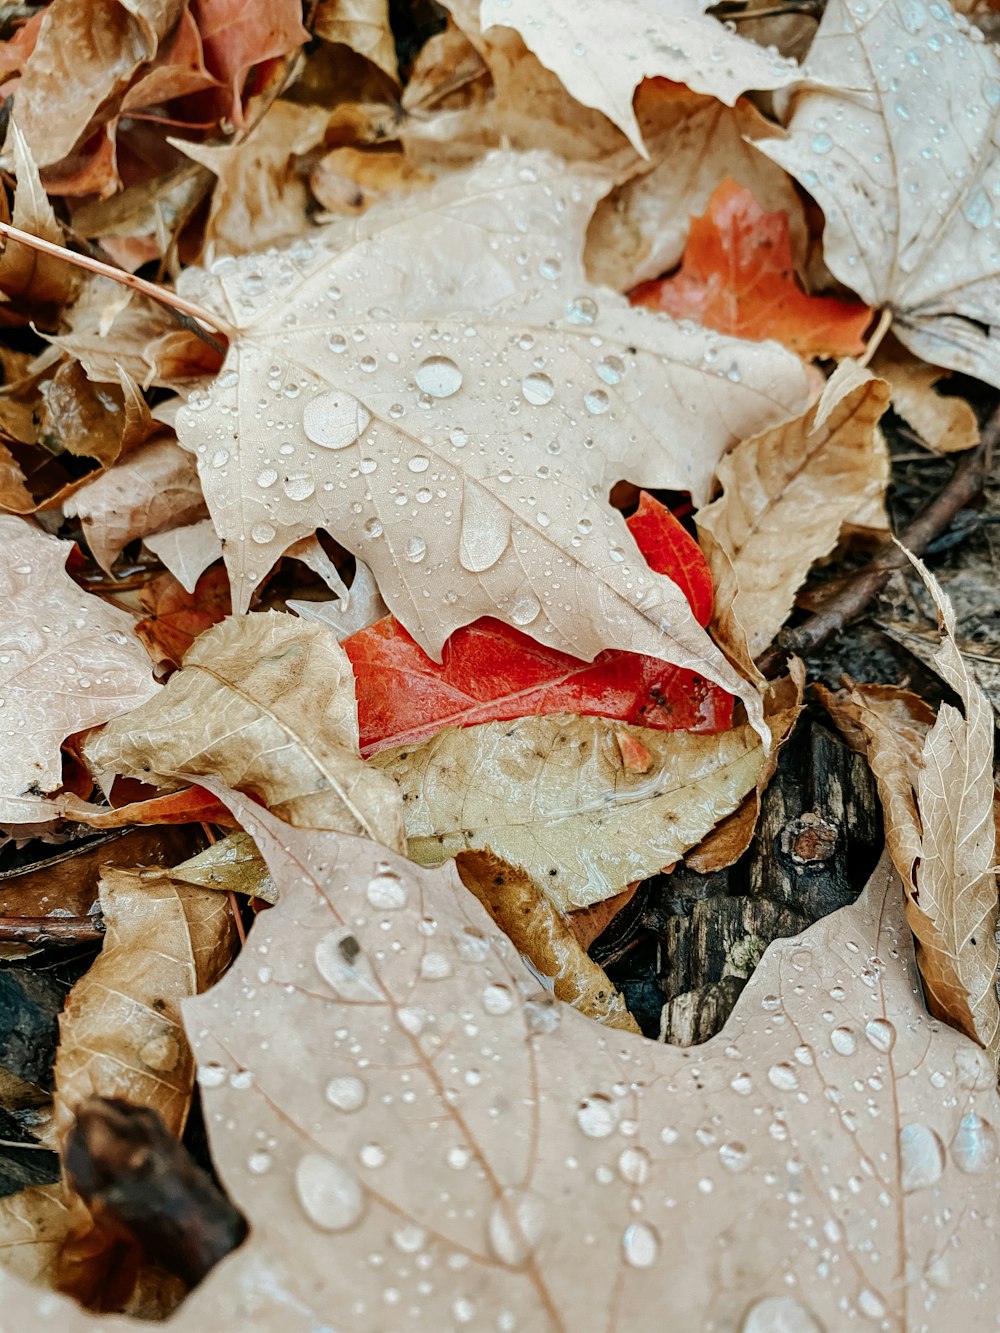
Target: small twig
column 63, row 930
column 161, row 295
column 881, row 329
column 963, row 486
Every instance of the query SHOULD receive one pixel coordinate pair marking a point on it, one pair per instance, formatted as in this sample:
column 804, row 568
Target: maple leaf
column 569, row 1124
column 390, row 434
column 737, row 276
column 187, row 551
column 68, row 661
column 944, row 424
column 237, row 36
column 490, row 672
column 676, row 41
column 177, row 617
column 363, row 25
column 909, row 216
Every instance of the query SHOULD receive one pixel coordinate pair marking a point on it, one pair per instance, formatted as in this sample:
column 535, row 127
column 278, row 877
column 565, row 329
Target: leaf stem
column 881, row 329
column 162, row 295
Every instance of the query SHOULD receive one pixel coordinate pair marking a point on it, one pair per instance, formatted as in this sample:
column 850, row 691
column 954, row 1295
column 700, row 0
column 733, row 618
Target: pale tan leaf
column 23, row 271
column 233, row 864
column 352, row 1078
column 544, row 938
column 68, row 661
column 186, row 551
column 260, row 196
column 639, row 230
column 349, row 180
column 361, row 607
column 906, row 181
column 154, row 489
column 33, row 1225
column 554, row 796
column 120, row 1034
column 981, row 659
column 398, row 446
column 677, row 41
column 363, row 25
column 945, row 424
column 265, row 702
column 786, row 493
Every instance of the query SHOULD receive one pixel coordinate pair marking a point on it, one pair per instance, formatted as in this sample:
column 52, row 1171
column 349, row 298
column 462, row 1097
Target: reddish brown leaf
column 190, row 805
column 737, row 276
column 491, row 672
column 237, row 36
column 177, row 617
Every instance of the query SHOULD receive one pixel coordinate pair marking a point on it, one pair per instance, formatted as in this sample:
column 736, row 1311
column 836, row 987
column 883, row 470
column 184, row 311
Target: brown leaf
column 945, row 424
column 349, row 180
column 543, row 937
column 231, row 865
column 265, row 702
column 155, row 488
column 787, row 491
column 93, row 420
column 69, row 662
column 120, row 1033
column 187, row 551
column 497, row 1166
column 553, row 796
column 26, row 275
column 981, row 659
column 363, row 25
column 587, row 923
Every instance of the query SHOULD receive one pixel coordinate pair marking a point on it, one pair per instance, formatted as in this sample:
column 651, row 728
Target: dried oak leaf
column 68, row 661
column 186, row 551
column 120, row 1034
column 677, row 41
column 558, row 797
column 905, row 182
column 26, row 275
column 786, row 494
column 177, row 617
column 265, row 702
column 503, row 1187
column 944, row 423
column 363, row 25
column 737, row 276
column 391, row 436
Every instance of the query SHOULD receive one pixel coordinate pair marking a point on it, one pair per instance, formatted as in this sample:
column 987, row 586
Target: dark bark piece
column 21, row 1167
column 682, row 950
column 138, row 1180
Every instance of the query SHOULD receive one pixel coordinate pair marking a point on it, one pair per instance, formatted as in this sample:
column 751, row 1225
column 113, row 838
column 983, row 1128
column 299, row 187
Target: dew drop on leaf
column 526, row 609
column 843, row 1041
column 597, row 1116
column 640, row 1245
column 538, row 389
column 438, row 376
column 881, row 1033
column 779, row 1312
column 346, row 1093
column 515, row 1225
column 497, row 999
column 922, row 1157
column 334, row 420
column 974, row 1148
column 330, row 1195
column 386, row 889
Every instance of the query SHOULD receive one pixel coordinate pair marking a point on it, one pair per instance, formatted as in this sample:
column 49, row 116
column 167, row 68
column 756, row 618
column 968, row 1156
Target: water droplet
column 259, row 1163
column 267, row 477
column 526, row 609
column 497, row 999
column 871, row 1304
column 211, row 1075
column 299, row 487
column 515, row 1225
column 344, row 967
column 438, row 376
column 346, row 1093
column 783, row 1076
column 611, row 369
column 640, row 1245
column 881, row 1034
column 974, row 1147
column 550, row 268
column 978, row 210
column 734, row 1156
column 435, row 967
column 485, row 533
column 581, row 310
column 597, row 1116
column 372, row 1155
column 741, row 1083
column 538, row 389
column 634, row 1166
column 329, row 1194
column 386, row 889
column 416, row 549
column 779, row 1314
column 822, row 143
column 922, row 1156
column 262, row 533
column 373, row 528
column 409, row 1239
column 334, row 420
column 843, row 1041
column 596, row 401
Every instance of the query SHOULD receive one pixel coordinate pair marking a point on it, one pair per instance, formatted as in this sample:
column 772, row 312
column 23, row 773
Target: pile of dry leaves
column 418, row 441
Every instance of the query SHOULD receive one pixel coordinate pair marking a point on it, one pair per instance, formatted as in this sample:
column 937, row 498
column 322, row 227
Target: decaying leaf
column 186, row 551
column 362, row 606
column 396, row 442
column 982, row 660
column 154, row 488
column 120, row 1032
column 737, row 276
column 231, row 865
column 556, row 797
column 946, row 424
column 675, row 41
column 68, row 661
column 24, row 273
column 805, row 477
column 542, row 935
column 265, row 702
column 568, row 1124
column 907, row 195
column 177, row 617
column 363, row 25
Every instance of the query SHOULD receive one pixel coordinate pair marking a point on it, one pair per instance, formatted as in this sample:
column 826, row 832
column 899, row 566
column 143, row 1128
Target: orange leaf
column 737, row 277
column 177, row 617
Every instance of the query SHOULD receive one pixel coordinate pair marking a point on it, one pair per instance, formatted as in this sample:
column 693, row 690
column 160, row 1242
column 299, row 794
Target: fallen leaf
column 490, row 673
column 982, row 660
column 328, row 1186
column 26, row 275
column 348, row 180
column 588, row 923
column 361, row 607
column 640, row 229
column 737, row 276
column 678, row 41
column 155, row 488
column 543, row 937
column 176, row 617
column 231, row 865
column 186, row 551
column 120, row 1034
column 363, row 25
column 236, row 37
column 91, row 420
column 266, row 702
column 190, row 805
column 552, row 796
column 786, row 494
column 68, row 662
column 476, row 538
column 945, row 423
column 907, row 194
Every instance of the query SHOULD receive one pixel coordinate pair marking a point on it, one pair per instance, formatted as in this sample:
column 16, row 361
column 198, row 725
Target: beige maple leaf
column 266, row 702
column 186, row 551
column 437, row 385
column 556, row 797
column 514, row 1165
column 786, row 494
column 676, row 41
column 946, row 424
column 907, row 182
column 68, row 662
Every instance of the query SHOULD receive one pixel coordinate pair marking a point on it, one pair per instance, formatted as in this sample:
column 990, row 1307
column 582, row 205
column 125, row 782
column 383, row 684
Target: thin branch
column 62, row 930
column 162, row 295
column 854, row 597
column 881, row 329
